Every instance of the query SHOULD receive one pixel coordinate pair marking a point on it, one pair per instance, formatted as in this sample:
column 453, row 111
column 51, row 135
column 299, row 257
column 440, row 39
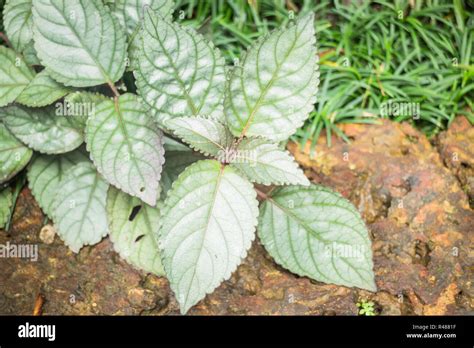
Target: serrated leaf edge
column 27, row 143
column 66, row 91
column 252, row 47
column 327, row 281
column 66, row 81
column 214, row 48
column 102, row 236
column 278, row 183
column 9, row 201
column 121, row 254
column 246, row 247
column 205, row 153
column 117, row 185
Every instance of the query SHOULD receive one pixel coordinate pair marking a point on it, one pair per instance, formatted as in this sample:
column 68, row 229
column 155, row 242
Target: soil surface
column 414, row 196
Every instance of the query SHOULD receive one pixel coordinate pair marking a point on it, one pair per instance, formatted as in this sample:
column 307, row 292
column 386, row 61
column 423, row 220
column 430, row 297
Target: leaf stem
column 114, row 89
column 261, row 194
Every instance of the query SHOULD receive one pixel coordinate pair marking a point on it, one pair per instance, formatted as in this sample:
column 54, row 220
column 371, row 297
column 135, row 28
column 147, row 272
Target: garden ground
column 414, row 195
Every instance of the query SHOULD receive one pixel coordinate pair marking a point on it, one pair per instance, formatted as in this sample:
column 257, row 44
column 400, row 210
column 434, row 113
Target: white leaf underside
column 208, row 225
column 178, row 73
column 317, row 233
column 271, row 92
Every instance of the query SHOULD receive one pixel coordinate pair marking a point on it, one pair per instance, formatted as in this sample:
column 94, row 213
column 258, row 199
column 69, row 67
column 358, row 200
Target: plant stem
column 114, row 89
column 261, row 194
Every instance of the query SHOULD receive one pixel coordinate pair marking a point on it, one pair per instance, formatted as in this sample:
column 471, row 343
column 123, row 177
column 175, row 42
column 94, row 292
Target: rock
column 416, row 210
column 388, row 304
column 456, row 147
column 47, row 234
column 141, row 297
column 411, row 198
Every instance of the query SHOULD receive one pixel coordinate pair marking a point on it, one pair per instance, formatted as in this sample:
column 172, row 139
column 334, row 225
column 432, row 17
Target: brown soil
column 414, row 197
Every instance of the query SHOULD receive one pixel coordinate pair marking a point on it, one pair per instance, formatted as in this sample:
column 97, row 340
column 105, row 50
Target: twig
column 38, row 310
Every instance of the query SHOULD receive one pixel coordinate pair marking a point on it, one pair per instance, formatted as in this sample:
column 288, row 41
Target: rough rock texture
column 456, row 147
column 417, row 212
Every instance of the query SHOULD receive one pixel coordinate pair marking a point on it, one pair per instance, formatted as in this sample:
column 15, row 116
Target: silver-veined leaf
column 179, row 73
column 18, row 23
column 315, row 232
column 79, row 41
column 14, row 156
column 176, row 161
column 42, row 129
column 208, row 225
column 6, row 202
column 29, row 54
column 134, row 49
column 204, row 135
column 15, row 75
column 79, row 106
column 127, row 147
column 133, row 230
column 130, row 12
column 272, row 91
column 46, row 172
column 178, row 157
column 79, row 209
column 42, row 91
column 264, row 163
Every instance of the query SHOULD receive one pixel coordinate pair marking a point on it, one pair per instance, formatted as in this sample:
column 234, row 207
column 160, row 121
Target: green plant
column 371, row 53
column 366, row 308
column 192, row 217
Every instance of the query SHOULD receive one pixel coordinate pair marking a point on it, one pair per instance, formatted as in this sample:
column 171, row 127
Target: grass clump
column 378, row 59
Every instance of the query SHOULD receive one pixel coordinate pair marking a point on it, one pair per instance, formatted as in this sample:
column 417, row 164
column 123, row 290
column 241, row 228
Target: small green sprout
column 366, row 308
